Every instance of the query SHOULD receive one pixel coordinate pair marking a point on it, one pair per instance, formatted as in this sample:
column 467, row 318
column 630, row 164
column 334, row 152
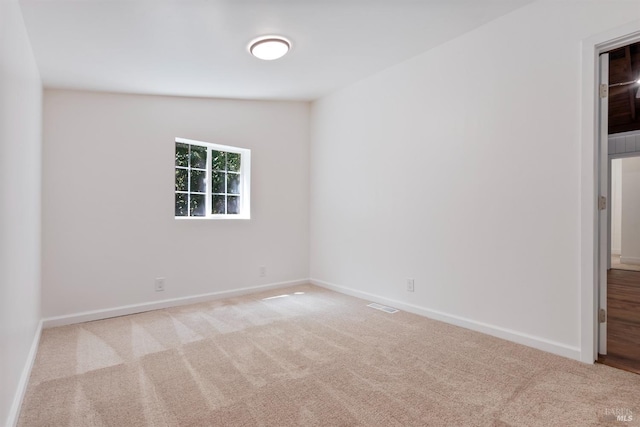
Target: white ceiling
column 199, row 47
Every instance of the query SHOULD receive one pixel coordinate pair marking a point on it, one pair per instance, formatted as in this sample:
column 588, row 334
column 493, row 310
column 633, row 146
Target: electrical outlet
column 263, row 271
column 159, row 284
column 410, row 287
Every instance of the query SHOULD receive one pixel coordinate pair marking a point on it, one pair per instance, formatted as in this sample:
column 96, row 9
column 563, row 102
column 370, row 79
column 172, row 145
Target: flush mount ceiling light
column 269, row 47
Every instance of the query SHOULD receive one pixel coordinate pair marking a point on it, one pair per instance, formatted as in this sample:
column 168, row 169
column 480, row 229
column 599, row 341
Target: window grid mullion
column 207, row 187
column 189, row 182
column 226, row 168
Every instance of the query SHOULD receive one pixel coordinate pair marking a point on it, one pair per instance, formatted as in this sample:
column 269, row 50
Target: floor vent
column 382, row 308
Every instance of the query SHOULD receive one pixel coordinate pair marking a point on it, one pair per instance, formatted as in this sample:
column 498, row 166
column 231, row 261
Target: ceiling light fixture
column 269, row 47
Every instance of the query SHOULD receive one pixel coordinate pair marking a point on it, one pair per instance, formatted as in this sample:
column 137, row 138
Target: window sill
column 200, row 218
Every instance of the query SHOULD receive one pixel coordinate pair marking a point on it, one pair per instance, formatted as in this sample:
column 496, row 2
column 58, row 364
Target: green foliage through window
column 208, row 181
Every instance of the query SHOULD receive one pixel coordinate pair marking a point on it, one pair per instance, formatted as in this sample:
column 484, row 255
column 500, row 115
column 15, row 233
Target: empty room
column 319, row 213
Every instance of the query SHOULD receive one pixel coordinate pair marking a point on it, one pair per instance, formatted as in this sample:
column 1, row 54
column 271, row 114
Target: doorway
column 619, row 313
column 623, row 274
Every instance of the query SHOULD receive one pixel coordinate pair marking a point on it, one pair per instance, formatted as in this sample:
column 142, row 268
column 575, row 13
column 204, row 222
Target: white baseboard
column 629, row 260
column 615, row 251
column 14, row 411
column 89, row 316
column 496, row 331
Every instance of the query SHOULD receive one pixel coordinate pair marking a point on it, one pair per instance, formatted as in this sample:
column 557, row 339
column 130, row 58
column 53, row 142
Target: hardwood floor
column 623, row 320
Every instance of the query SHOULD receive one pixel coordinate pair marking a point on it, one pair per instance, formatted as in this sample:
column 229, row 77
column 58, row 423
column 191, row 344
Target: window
column 212, row 181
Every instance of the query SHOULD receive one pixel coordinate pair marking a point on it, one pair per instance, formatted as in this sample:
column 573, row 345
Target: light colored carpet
column 312, row 358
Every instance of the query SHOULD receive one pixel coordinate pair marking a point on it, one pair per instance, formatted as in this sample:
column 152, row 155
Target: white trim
column 603, row 172
column 14, row 411
column 629, row 260
column 626, row 133
column 618, row 144
column 616, row 251
column 218, row 147
column 485, row 328
column 624, row 155
column 591, row 48
column 88, row 316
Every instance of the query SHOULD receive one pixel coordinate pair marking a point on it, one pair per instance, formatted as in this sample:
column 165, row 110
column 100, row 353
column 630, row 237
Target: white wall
column 20, row 142
column 108, row 200
column 616, row 206
column 461, row 168
column 630, row 218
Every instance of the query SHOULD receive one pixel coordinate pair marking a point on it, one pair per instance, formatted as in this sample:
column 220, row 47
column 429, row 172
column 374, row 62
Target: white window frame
column 245, row 180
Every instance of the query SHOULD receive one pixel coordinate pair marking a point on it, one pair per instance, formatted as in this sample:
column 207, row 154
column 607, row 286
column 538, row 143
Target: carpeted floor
column 311, row 358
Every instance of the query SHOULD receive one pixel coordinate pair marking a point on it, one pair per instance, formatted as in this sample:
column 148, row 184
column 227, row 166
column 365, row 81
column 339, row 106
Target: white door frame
column 590, row 260
column 603, row 174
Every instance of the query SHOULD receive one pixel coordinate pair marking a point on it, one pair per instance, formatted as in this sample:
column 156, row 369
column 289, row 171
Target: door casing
column 603, row 187
column 590, row 267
